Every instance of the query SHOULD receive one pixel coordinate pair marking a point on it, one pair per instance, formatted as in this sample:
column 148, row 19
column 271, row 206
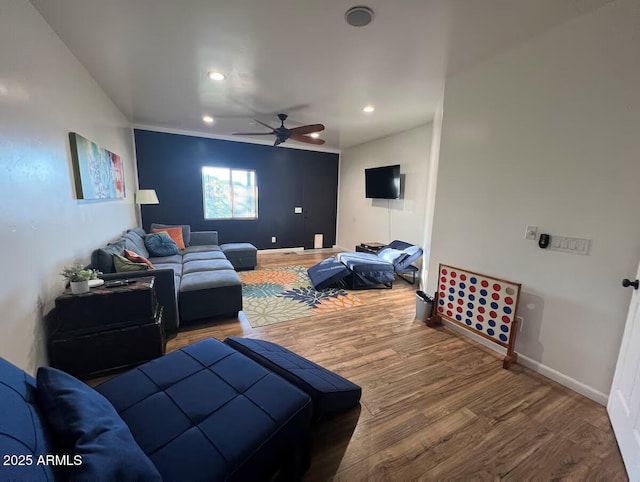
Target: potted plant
column 79, row 277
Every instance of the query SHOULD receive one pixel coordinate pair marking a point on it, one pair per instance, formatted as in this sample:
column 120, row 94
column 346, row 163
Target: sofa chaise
column 235, row 410
column 198, row 282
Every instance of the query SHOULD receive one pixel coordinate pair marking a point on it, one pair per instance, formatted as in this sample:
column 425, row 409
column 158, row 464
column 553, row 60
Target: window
column 229, row 193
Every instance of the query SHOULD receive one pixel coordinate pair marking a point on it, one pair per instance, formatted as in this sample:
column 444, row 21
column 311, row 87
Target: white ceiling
column 294, row 56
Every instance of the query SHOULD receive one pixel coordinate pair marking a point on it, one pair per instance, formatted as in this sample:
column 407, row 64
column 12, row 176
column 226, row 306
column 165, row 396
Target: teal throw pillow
column 160, row 244
column 124, row 265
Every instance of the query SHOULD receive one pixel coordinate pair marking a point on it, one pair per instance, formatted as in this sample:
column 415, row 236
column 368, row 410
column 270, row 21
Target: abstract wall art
column 98, row 173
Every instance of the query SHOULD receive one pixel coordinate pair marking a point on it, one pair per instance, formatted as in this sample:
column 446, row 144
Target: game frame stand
column 462, row 297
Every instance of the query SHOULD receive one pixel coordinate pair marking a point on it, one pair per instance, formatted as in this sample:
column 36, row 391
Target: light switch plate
column 297, row 210
column 531, row 232
column 570, row 245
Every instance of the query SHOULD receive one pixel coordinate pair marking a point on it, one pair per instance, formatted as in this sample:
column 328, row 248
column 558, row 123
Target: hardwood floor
column 435, row 405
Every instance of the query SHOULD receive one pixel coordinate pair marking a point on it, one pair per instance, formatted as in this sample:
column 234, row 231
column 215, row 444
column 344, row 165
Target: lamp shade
column 147, row 196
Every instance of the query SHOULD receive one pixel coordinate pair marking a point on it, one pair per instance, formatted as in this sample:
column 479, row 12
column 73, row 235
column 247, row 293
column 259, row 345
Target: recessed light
column 359, row 16
column 315, row 135
column 368, row 109
column 208, row 119
column 213, row 75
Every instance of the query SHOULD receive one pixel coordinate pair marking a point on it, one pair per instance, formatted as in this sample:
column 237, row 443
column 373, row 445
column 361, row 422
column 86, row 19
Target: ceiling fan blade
column 252, row 133
column 266, row 125
column 307, row 129
column 307, row 139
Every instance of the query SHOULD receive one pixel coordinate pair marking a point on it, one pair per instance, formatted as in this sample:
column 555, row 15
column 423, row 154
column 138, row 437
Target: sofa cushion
column 329, row 391
column 186, row 230
column 202, row 248
column 123, row 265
column 160, row 244
column 138, row 231
column 22, row 425
column 86, row 424
column 207, row 412
column 174, row 258
column 177, row 268
column 174, row 233
column 204, row 238
column 202, row 280
column 102, row 259
column 134, row 242
column 205, row 265
column 203, row 255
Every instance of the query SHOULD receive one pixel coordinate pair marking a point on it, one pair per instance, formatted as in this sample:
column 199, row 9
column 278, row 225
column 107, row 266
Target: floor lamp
column 145, row 196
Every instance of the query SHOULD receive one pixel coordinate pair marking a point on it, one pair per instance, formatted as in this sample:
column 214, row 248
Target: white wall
column 548, row 134
column 361, row 219
column 44, row 94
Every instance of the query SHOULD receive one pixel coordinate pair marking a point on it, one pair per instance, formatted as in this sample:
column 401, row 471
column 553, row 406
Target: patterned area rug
column 280, row 294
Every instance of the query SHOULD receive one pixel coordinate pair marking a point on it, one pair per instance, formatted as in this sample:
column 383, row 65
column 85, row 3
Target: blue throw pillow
column 85, row 424
column 160, row 244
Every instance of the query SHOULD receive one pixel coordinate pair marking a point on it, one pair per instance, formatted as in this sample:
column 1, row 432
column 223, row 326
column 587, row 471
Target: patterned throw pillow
column 175, row 233
column 123, row 265
column 160, row 244
column 136, row 258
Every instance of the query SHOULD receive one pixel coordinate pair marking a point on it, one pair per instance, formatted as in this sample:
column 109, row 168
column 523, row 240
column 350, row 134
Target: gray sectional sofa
column 199, row 282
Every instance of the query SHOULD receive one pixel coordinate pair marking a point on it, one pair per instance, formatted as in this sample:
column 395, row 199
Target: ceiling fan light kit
column 359, row 16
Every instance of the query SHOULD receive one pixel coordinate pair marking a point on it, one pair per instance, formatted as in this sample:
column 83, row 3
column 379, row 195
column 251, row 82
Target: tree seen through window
column 229, row 193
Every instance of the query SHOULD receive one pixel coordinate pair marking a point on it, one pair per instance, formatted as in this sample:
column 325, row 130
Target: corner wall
column 547, row 135
column 44, row 94
column 364, row 220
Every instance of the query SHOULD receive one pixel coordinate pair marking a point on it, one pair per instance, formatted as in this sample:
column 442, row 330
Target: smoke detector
column 359, row 16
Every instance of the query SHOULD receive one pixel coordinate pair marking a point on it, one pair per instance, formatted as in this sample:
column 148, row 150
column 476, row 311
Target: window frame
column 231, row 170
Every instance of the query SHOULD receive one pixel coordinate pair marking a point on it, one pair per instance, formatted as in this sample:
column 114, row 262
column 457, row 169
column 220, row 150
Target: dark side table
column 372, row 247
column 106, row 329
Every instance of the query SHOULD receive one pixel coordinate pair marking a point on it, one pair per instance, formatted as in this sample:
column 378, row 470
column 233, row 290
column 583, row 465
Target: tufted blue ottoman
column 207, row 412
column 329, row 391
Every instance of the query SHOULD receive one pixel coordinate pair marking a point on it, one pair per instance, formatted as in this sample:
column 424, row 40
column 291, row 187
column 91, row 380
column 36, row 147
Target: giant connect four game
column 482, row 304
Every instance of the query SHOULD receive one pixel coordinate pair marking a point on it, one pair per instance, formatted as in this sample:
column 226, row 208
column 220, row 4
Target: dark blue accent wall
column 171, row 164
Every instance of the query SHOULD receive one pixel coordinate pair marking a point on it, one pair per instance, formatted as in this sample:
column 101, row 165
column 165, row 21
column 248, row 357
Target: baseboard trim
column 544, row 370
column 281, row 250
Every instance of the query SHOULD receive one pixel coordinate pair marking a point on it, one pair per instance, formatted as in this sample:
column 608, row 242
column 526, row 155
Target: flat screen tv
column 382, row 182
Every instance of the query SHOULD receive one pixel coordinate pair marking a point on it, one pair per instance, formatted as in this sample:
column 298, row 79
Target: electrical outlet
column 531, row 232
column 273, row 239
column 520, row 322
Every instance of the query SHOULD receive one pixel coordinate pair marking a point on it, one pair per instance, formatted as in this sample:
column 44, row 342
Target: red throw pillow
column 174, row 233
column 136, row 258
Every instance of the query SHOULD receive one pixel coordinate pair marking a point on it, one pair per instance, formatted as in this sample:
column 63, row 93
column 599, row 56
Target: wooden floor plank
column 435, row 405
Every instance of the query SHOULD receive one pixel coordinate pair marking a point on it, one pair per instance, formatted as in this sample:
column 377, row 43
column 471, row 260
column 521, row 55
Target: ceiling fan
column 283, row 134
